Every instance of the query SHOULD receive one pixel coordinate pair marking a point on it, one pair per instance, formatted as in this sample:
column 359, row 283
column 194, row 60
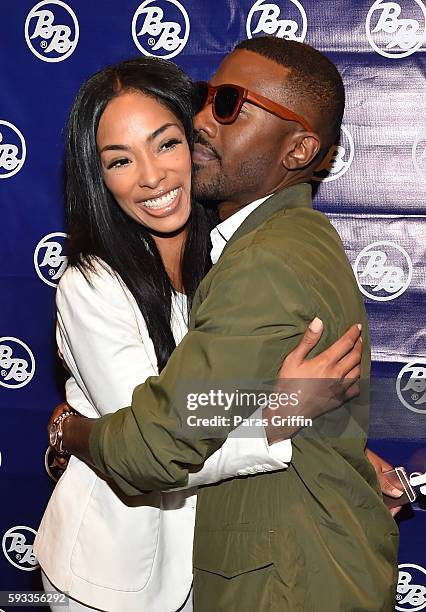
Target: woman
column 138, row 250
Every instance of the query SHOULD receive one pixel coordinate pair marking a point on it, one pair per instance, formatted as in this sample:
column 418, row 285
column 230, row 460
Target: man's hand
column 381, row 466
column 60, row 409
column 325, row 381
column 76, row 433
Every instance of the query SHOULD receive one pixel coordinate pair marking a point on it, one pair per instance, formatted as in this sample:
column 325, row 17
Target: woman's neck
column 171, row 251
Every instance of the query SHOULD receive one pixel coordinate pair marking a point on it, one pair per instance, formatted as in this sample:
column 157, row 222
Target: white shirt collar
column 226, row 229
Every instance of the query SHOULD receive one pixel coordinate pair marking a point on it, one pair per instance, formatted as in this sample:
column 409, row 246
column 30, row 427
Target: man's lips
column 202, row 154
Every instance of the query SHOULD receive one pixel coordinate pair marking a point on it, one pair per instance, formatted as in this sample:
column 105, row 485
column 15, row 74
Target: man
column 315, row 537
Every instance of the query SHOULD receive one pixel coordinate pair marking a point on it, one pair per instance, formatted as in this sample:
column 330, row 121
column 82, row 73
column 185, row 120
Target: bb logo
column 411, row 386
column 12, row 149
column 411, row 589
column 383, row 270
column 160, row 28
column 418, row 154
column 284, row 19
column 51, row 30
column 418, row 479
column 396, row 29
column 49, row 260
column 338, row 160
column 18, row 548
column 53, row 468
column 17, row 363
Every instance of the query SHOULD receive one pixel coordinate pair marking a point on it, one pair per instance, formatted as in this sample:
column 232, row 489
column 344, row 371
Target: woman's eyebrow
column 151, row 137
column 114, row 147
column 162, row 129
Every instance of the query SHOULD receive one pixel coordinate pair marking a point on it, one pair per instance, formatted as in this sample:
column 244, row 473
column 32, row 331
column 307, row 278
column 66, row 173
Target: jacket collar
column 296, row 196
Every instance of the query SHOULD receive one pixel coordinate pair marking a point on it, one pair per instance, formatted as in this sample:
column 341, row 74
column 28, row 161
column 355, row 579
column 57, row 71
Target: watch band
column 58, row 423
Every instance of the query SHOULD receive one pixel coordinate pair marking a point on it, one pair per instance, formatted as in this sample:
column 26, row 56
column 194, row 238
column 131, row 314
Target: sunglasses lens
column 201, row 91
column 226, row 101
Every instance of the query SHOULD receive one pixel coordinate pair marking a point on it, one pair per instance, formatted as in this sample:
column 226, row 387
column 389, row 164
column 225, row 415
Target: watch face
column 53, row 434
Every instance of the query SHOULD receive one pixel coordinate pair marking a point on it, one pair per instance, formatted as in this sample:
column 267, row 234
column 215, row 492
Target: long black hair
column 97, row 226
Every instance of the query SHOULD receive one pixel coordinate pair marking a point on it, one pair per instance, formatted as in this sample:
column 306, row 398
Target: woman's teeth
column 163, row 201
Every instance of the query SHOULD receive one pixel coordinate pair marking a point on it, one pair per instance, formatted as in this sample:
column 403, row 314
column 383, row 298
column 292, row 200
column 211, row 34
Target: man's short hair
column 313, row 78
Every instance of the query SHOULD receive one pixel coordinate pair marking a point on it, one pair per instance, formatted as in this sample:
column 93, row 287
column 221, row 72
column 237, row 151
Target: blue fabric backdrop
column 373, row 186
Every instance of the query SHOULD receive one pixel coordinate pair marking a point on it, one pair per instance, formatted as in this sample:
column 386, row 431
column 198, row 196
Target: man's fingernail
column 397, row 492
column 315, row 325
column 359, row 326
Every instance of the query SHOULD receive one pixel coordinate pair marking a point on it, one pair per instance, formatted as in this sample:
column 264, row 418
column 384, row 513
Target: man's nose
column 205, row 122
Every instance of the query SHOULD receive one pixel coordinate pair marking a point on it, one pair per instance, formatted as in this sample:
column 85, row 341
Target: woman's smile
column 164, row 204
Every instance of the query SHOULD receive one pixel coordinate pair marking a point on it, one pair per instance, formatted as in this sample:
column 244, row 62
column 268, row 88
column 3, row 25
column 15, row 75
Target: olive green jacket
column 321, row 523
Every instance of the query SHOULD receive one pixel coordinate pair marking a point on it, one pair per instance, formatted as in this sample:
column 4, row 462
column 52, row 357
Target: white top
column 107, row 551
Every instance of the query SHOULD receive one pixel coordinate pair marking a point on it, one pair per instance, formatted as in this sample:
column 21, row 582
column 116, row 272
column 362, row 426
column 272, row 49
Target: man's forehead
column 250, row 70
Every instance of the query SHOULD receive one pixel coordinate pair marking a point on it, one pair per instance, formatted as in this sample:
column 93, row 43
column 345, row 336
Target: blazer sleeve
column 100, row 342
column 99, row 339
column 253, row 313
column 243, row 453
column 77, row 399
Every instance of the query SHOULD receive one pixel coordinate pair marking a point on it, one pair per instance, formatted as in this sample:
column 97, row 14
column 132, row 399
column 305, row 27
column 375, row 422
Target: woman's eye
column 170, row 144
column 118, row 163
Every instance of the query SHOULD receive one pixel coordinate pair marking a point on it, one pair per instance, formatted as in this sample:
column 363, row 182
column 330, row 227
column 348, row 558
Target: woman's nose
column 152, row 173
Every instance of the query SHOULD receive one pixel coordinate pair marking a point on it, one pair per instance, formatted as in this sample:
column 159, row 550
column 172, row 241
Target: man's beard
column 211, row 190
column 242, row 181
column 220, row 187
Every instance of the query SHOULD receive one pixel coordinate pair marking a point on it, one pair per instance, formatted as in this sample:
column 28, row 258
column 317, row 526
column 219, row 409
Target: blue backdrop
column 372, row 184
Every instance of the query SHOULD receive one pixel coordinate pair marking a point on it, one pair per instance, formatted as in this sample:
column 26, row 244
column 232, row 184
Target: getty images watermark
column 315, row 408
column 234, row 406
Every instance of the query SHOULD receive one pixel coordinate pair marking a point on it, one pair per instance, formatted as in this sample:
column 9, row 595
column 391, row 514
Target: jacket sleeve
column 253, row 311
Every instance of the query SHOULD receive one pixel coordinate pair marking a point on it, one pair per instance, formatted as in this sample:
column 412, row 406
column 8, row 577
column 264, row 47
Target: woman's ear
column 303, row 149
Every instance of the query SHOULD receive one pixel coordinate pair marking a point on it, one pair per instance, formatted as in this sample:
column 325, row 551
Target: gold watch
column 56, row 432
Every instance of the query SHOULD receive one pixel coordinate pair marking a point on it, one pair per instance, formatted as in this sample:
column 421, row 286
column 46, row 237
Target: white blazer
column 109, row 552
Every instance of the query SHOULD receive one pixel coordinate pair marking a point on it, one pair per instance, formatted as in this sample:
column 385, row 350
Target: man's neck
column 227, row 208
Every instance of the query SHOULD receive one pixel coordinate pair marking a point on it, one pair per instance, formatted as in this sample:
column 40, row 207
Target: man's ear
column 304, row 147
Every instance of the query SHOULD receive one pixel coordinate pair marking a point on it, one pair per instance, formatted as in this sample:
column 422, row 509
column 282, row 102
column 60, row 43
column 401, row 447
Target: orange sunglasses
column 227, row 101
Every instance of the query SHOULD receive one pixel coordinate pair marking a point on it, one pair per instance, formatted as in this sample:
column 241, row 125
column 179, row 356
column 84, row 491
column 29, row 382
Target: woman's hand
column 322, row 383
column 338, row 367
